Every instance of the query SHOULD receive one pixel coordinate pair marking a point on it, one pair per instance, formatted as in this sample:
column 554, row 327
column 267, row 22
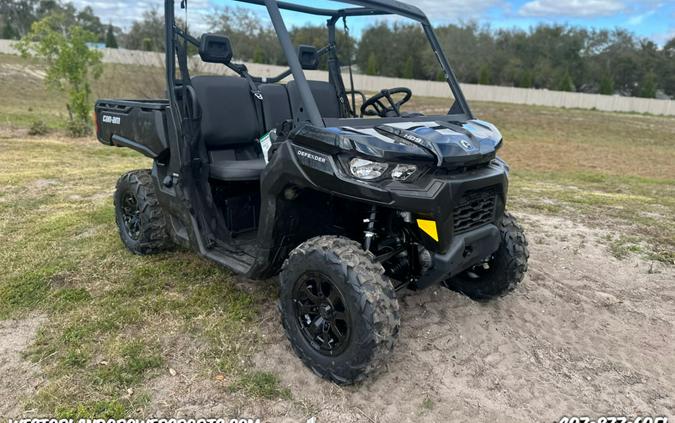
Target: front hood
column 447, row 144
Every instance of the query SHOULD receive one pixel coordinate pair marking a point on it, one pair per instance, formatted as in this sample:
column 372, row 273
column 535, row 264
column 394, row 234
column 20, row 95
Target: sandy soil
column 585, row 334
column 19, row 377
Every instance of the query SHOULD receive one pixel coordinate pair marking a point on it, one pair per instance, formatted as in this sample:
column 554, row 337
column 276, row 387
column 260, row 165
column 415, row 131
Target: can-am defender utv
column 267, row 178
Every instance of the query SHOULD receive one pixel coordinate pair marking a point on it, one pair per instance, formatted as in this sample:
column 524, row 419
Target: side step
column 238, row 262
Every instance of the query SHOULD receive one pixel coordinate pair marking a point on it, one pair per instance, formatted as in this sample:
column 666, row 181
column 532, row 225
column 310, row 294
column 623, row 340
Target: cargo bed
column 136, row 124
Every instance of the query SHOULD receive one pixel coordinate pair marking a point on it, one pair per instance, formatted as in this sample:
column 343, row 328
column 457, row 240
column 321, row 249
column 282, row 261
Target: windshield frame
column 459, row 110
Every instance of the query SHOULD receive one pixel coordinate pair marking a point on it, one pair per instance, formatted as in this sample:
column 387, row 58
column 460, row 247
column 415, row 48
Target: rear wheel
column 139, row 217
column 338, row 309
column 503, row 272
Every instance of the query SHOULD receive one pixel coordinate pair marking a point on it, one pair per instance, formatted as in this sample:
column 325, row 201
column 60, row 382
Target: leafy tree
column 250, row 38
column 526, row 79
column 17, row 17
column 667, row 68
column 565, row 82
column 408, row 68
column 606, row 85
column 259, row 56
column 399, row 50
column 8, row 31
column 146, row 34
column 484, row 78
column 556, row 57
column 89, row 22
column 648, row 85
column 372, row 68
column 70, row 64
column 110, row 39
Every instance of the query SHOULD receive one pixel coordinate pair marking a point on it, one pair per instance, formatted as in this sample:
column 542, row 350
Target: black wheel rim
column 131, row 216
column 322, row 313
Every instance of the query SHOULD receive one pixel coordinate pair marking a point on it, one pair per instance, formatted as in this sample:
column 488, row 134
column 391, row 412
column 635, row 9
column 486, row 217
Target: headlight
column 367, row 170
column 403, row 171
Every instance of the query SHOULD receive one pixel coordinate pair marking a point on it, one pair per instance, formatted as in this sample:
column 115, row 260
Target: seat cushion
column 230, row 165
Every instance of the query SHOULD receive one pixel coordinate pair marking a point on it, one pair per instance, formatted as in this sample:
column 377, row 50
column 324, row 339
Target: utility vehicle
column 347, row 201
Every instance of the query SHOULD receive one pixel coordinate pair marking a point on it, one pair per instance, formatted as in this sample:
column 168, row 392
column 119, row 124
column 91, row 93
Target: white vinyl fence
column 424, row 88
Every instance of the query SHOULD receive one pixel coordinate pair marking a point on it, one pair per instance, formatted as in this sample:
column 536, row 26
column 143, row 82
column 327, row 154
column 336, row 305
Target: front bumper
column 466, row 250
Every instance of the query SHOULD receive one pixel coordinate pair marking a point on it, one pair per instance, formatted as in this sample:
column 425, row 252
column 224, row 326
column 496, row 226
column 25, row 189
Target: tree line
column 555, row 57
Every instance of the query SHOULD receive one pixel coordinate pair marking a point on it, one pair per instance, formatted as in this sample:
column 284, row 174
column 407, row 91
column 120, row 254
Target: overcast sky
column 654, row 19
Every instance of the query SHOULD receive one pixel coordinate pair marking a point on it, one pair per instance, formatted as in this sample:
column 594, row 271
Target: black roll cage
column 311, row 110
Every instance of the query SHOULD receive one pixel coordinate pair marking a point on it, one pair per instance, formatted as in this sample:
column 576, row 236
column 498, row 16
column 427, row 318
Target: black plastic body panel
column 136, row 124
column 430, row 197
column 466, row 250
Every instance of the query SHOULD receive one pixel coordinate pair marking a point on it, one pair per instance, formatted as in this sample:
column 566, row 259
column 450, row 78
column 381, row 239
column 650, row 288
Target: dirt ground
column 585, row 334
column 18, row 377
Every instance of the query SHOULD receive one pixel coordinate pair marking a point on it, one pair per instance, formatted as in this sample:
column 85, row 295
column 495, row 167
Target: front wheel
column 503, row 272
column 338, row 309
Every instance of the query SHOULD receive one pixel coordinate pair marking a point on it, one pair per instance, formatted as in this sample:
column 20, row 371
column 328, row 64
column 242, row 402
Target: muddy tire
column 139, row 217
column 338, row 309
column 507, row 266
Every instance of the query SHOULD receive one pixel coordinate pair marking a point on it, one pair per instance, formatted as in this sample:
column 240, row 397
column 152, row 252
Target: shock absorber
column 369, row 233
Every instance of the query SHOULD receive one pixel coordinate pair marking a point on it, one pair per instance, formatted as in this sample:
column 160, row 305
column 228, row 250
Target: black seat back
column 276, row 105
column 324, row 94
column 228, row 111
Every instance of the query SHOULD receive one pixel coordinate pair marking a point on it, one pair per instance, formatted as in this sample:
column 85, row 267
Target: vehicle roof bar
column 369, row 8
column 294, row 7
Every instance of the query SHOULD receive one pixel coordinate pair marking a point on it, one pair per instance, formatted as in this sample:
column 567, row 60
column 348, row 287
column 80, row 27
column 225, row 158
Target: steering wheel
column 375, row 107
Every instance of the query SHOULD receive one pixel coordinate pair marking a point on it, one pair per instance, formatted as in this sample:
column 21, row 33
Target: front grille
column 476, row 208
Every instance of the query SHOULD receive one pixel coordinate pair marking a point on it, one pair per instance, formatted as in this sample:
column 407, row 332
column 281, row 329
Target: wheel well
column 314, row 213
column 306, row 213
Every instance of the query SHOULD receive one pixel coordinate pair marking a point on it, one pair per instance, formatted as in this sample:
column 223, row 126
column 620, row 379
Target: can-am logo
column 311, row 156
column 115, row 120
column 466, row 145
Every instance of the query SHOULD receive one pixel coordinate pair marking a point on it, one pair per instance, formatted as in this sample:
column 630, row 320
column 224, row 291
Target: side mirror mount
column 309, row 57
column 214, row 48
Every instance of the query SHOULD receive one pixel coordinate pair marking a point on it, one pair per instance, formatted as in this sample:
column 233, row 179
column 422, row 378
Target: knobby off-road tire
column 139, row 217
column 339, row 275
column 507, row 267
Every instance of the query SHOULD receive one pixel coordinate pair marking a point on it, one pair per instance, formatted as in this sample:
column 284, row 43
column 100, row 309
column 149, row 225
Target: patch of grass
column 261, row 385
column 24, row 292
column 622, row 246
column 67, row 298
column 427, row 404
column 642, row 206
column 38, row 127
column 110, row 409
column 64, row 258
column 133, row 360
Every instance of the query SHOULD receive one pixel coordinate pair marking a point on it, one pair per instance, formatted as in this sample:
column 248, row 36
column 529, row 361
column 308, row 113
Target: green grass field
column 114, row 318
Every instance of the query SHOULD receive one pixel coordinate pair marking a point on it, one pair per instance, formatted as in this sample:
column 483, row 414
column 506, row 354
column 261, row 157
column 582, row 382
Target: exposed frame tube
column 450, row 75
column 356, row 11
column 311, row 109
